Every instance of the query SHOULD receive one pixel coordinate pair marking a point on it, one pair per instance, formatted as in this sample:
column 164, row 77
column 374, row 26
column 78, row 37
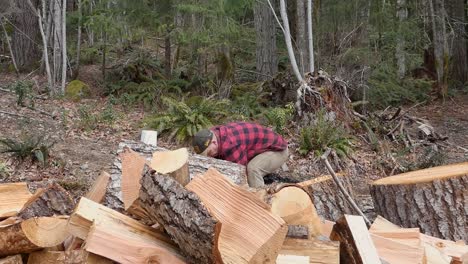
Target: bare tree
column 9, row 46
column 441, row 51
column 459, row 64
column 402, row 14
column 301, row 38
column 310, row 36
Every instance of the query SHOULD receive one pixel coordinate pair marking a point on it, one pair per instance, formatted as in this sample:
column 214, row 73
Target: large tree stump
column 329, row 202
column 197, row 165
column 53, row 200
column 435, row 200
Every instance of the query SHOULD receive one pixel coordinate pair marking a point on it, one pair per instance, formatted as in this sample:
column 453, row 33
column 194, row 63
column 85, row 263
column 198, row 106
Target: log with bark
column 435, row 200
column 356, row 246
column 13, row 196
column 53, row 200
column 32, row 234
column 197, row 165
column 329, row 202
column 66, row 257
column 213, row 220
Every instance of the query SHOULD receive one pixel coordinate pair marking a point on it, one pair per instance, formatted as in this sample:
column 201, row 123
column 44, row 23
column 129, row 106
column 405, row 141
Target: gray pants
column 263, row 164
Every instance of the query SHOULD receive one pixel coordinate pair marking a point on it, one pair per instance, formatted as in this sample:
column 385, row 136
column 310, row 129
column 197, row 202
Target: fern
column 31, row 147
column 278, row 117
column 322, row 135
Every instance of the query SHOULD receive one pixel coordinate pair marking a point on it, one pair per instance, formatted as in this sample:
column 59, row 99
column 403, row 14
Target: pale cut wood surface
column 132, row 168
column 407, row 236
column 127, row 249
column 398, row 253
column 32, row 234
column 13, row 196
column 98, row 190
column 295, row 207
column 426, row 175
column 174, row 163
column 87, row 212
column 292, row 259
column 249, row 232
column 16, row 259
column 319, row 252
column 66, row 257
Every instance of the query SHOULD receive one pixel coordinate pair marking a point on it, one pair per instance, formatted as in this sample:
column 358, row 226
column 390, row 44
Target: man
column 258, row 147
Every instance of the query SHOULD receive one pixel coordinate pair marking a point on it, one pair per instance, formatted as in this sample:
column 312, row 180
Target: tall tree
column 301, row 33
column 441, row 51
column 456, row 16
column 25, row 35
column 402, row 15
column 266, row 51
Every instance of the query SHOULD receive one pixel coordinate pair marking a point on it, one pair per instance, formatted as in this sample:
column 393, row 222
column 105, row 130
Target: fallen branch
column 348, row 197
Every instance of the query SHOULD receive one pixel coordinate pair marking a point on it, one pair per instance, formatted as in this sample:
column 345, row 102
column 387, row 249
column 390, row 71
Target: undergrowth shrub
column 34, row 148
column 324, row 134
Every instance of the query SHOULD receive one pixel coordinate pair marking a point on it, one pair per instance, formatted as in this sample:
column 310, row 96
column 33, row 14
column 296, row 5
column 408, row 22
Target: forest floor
column 80, row 153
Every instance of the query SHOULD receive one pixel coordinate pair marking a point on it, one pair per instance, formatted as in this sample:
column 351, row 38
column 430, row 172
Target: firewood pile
column 160, row 206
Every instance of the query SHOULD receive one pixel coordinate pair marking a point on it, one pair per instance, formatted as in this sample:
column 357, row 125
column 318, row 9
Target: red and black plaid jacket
column 239, row 142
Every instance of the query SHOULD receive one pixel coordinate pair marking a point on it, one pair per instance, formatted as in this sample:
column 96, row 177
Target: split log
column 132, row 168
column 172, row 163
column 53, row 200
column 294, row 205
column 32, row 234
column 66, row 257
column 434, row 200
column 127, row 248
column 13, row 196
column 98, row 190
column 88, row 212
column 250, row 233
column 212, row 220
column 319, row 252
column 395, row 252
column 198, row 164
column 16, row 259
column 356, row 244
column 329, row 202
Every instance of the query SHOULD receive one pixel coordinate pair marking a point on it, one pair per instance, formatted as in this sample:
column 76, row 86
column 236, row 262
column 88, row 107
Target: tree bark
column 310, row 37
column 7, row 38
column 266, row 59
column 53, row 200
column 436, row 204
column 330, row 203
column 182, row 215
column 25, row 35
column 167, row 54
column 64, row 46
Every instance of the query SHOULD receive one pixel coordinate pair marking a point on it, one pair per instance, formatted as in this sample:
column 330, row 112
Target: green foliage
column 4, row 171
column 322, row 135
column 278, row 117
column 89, row 55
column 246, row 106
column 24, row 93
column 88, row 120
column 182, row 119
column 77, row 90
column 108, row 115
column 385, row 89
column 31, row 147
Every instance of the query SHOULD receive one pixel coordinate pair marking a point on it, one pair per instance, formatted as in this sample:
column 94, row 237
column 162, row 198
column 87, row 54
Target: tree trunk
column 78, row 41
column 64, row 46
column 7, row 38
column 434, row 200
column 266, row 59
column 402, row 15
column 330, row 203
column 301, row 34
column 441, row 51
column 45, row 48
column 25, row 35
column 459, row 64
column 310, row 37
column 167, row 54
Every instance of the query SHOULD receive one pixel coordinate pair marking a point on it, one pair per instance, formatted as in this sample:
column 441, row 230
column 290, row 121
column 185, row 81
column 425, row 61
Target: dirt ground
column 80, row 154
